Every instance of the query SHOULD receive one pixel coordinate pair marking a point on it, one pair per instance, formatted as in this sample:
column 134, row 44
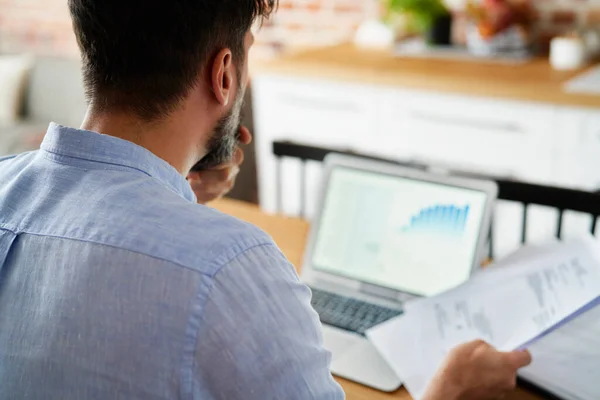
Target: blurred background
column 44, row 27
column 499, row 88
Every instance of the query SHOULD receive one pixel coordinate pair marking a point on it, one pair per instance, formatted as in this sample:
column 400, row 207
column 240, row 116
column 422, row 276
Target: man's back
column 115, row 284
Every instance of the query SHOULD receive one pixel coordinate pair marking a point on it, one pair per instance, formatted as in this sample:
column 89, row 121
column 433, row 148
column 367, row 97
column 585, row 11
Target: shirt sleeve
column 259, row 336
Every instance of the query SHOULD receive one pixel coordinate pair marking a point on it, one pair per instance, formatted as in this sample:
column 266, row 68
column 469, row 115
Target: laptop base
column 356, row 359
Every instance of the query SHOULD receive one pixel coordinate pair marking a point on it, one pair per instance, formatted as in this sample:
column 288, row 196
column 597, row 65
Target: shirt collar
column 92, row 146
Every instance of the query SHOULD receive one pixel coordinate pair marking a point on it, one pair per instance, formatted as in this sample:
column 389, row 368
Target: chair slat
column 303, row 184
column 524, row 229
column 559, row 224
column 491, row 241
column 279, row 178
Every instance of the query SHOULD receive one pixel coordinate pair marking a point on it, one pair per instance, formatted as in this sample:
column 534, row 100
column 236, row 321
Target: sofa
column 53, row 92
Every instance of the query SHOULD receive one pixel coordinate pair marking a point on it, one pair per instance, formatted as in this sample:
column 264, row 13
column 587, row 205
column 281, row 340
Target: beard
column 225, row 137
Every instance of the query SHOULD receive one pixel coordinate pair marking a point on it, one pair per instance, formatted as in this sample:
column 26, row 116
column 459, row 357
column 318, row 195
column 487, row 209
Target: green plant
column 421, row 14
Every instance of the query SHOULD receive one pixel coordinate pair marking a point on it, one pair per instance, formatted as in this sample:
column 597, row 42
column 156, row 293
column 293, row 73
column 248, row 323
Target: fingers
column 514, row 361
column 476, row 346
column 245, row 135
column 211, row 184
column 214, row 177
column 194, row 175
column 233, row 173
column 477, row 367
column 225, row 169
column 518, row 359
column 479, row 344
column 238, row 157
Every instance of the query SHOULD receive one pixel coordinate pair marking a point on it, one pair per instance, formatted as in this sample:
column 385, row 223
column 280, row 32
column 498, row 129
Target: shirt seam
column 115, row 167
column 10, row 157
column 218, row 265
column 50, row 150
column 49, row 147
column 7, row 230
column 187, row 368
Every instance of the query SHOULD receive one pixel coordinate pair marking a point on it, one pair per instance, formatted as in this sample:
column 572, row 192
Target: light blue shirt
column 115, row 284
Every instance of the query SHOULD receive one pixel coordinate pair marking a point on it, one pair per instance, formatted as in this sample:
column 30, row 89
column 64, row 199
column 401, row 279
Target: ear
column 222, row 77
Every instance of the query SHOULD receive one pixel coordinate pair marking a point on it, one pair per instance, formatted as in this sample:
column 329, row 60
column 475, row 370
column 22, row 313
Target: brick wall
column 302, row 23
column 40, row 26
column 43, row 26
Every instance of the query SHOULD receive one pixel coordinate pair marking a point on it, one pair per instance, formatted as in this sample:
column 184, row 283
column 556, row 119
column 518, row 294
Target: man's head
column 152, row 58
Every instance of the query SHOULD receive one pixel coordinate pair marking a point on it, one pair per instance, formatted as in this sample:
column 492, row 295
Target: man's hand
column 476, row 371
column 215, row 183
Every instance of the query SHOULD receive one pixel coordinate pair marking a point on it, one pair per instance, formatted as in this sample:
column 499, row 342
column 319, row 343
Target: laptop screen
column 414, row 236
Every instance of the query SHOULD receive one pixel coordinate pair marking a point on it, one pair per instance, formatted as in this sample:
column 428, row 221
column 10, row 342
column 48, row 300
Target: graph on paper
column 439, row 219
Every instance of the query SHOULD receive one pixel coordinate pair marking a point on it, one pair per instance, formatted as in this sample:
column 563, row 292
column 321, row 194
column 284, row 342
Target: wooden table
column 534, row 81
column 291, row 234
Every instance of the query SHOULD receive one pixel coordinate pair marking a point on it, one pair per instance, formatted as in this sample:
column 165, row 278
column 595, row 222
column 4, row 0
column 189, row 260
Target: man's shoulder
column 122, row 209
column 194, row 236
column 214, row 237
column 7, row 158
column 15, row 162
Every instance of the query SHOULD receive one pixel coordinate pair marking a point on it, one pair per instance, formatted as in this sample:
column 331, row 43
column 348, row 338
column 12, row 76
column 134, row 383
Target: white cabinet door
column 308, row 111
column 578, row 158
column 487, row 136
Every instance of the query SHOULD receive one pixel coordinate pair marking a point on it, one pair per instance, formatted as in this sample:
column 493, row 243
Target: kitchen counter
column 534, row 81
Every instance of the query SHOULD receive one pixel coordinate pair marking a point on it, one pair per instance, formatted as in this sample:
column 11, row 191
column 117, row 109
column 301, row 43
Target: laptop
column 384, row 235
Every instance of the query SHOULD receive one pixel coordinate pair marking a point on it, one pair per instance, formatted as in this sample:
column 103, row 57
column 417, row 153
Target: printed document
column 513, row 305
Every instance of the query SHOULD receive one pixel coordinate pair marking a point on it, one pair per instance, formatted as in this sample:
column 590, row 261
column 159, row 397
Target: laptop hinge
column 379, row 291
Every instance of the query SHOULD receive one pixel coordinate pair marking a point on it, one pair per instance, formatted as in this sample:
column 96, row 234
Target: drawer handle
column 507, row 128
column 467, row 171
column 320, row 104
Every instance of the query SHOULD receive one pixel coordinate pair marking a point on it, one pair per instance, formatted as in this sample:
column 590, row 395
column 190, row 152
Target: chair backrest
column 306, row 153
column 526, row 194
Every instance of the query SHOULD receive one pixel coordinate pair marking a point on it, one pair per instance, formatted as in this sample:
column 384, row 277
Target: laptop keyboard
column 349, row 314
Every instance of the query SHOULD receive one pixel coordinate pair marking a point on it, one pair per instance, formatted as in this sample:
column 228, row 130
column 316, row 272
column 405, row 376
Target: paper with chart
column 507, row 307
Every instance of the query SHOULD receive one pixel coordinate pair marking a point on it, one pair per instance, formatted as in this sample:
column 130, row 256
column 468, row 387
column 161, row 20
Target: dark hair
column 144, row 56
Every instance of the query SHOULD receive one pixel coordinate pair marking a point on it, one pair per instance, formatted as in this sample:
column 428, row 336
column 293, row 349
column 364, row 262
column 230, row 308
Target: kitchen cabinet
column 472, row 134
column 578, row 153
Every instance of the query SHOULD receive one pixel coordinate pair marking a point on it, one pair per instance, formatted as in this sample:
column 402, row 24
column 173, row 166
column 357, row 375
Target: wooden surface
column 533, row 81
column 291, row 234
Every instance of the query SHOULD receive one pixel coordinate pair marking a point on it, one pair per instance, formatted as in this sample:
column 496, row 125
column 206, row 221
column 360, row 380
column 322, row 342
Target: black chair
column 306, row 153
column 527, row 194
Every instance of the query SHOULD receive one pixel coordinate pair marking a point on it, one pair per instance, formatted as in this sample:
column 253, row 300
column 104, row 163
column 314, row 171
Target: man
column 114, row 283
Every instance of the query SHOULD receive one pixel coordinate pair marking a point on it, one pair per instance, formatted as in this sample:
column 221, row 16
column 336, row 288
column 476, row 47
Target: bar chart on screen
column 414, row 236
column 424, row 235
column 439, row 219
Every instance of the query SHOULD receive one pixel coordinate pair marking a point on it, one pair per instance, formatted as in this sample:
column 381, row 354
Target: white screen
column 409, row 235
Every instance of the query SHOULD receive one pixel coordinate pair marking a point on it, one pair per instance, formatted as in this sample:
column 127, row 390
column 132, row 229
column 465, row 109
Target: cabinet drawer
column 316, row 112
column 487, row 136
